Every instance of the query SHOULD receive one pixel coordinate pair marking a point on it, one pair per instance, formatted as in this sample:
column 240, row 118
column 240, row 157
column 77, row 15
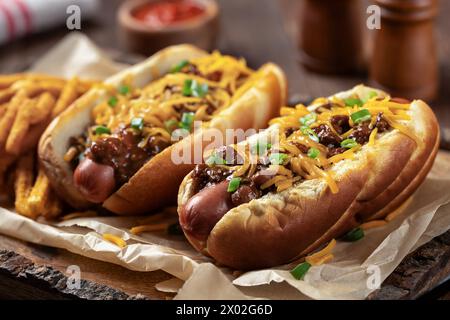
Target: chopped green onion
column 137, row 123
column 112, row 102
column 313, row 153
column 186, row 120
column 171, row 125
column 215, row 159
column 102, row 130
column 192, row 88
column 349, row 143
column 351, row 102
column 179, row 66
column 310, row 133
column 124, row 90
column 299, row 271
column 309, row 119
column 278, row 158
column 360, row 116
column 234, row 184
column 354, row 235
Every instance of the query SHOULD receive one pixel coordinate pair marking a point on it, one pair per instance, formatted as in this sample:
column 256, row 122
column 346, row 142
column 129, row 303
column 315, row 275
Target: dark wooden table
column 261, row 30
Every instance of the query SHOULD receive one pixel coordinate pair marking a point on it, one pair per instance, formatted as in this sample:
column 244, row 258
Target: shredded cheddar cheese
column 305, row 155
column 321, row 260
column 206, row 86
column 372, row 136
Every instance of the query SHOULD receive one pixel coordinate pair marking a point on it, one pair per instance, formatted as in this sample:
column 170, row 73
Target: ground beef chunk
column 215, row 76
column 326, row 136
column 244, row 194
column 124, row 153
column 340, row 123
column 381, row 124
column 361, row 133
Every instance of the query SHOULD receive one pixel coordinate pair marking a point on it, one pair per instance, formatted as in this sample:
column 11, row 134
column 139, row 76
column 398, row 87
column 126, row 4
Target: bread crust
column 278, row 228
column 156, row 183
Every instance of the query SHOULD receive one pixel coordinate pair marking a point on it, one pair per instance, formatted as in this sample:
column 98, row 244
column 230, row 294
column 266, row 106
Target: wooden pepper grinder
column 404, row 60
column 331, row 36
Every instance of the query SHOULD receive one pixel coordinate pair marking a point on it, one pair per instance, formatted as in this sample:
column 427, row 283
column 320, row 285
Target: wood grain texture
column 312, row 84
column 419, row 272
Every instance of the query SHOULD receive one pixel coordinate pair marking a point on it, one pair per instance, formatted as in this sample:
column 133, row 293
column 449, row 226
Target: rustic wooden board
column 250, row 27
column 37, row 272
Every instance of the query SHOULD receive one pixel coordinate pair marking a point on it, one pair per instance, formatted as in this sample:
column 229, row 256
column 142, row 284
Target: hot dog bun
column 280, row 227
column 157, row 182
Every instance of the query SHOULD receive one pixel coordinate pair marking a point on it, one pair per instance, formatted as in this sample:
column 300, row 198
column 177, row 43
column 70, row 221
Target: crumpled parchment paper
column 349, row 276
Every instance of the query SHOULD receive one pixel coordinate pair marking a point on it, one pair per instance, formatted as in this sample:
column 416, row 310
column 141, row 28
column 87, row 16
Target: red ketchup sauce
column 165, row 13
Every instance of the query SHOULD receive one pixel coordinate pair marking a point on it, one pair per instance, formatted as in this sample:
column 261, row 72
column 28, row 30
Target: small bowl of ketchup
column 147, row 26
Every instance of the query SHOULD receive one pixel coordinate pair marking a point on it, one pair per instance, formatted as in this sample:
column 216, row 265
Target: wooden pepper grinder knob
column 331, row 36
column 404, row 60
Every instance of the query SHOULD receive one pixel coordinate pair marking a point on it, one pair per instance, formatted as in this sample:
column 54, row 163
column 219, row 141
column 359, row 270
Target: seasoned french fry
column 22, row 185
column 53, row 87
column 68, row 95
column 41, row 200
column 43, row 108
column 27, row 104
column 7, row 121
column 20, row 127
column 39, row 77
column 85, row 85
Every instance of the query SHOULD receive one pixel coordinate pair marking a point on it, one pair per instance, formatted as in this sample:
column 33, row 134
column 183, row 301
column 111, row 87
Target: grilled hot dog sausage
column 201, row 213
column 95, row 181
